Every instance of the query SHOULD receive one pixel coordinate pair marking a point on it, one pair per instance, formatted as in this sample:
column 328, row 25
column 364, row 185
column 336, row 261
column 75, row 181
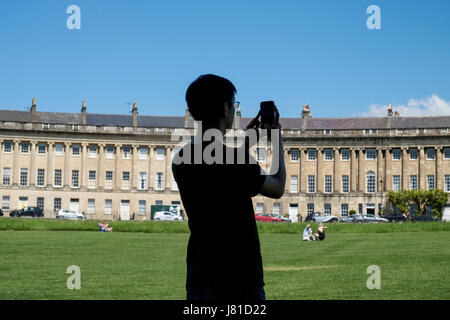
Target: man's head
column 210, row 99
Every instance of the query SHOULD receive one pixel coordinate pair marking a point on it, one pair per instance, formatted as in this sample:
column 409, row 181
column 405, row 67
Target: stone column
column 15, row 167
column 50, row 164
column 336, row 171
column 67, row 164
column 33, row 171
column 380, row 170
column 151, row 164
column 303, row 176
column 319, row 170
column 287, row 186
column 117, row 166
column 134, row 173
column 387, row 173
column 353, row 171
column 404, row 169
column 360, row 170
column 168, row 167
column 421, row 168
column 439, row 184
column 101, row 166
column 84, row 177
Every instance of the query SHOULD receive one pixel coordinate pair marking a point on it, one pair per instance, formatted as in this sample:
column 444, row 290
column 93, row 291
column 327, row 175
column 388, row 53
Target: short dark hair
column 206, row 96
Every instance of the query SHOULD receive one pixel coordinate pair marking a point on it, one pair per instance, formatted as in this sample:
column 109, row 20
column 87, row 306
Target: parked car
column 368, row 218
column 69, row 214
column 317, row 217
column 346, row 219
column 27, row 212
column 266, row 218
column 395, row 217
column 424, row 218
column 279, row 216
column 1, row 213
column 166, row 216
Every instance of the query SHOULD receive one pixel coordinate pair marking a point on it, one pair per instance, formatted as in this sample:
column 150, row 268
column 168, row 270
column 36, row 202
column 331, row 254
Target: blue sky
column 293, row 52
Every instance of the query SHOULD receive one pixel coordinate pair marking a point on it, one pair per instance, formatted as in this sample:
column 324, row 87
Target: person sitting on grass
column 307, row 234
column 320, row 234
column 104, row 227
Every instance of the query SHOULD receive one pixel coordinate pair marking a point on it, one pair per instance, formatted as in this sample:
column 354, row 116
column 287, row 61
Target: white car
column 69, row 214
column 167, row 216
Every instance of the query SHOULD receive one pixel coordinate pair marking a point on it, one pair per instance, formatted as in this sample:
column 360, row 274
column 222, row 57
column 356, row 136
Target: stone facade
column 116, row 165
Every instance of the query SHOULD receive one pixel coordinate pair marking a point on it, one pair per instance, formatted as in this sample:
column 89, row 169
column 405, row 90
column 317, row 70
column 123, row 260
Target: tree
column 400, row 199
column 423, row 199
column 438, row 199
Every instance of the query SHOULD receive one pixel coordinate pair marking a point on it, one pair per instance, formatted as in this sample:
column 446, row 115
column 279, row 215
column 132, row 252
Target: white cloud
column 431, row 106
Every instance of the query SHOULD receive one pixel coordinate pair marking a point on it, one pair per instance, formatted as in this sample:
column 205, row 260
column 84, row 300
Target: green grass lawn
column 127, row 265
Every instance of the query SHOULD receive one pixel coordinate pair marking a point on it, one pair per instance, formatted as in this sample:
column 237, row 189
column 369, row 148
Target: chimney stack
column 33, row 110
column 389, row 110
column 396, row 114
column 186, row 118
column 83, row 113
column 237, row 118
column 135, row 115
column 306, row 113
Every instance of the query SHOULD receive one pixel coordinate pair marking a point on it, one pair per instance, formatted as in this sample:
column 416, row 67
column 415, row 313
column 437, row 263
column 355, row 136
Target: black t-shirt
column 223, row 248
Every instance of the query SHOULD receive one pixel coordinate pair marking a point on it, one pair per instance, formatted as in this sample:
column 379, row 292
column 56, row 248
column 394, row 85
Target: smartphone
column 267, row 111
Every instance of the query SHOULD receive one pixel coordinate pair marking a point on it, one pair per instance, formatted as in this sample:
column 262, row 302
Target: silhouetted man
column 223, row 255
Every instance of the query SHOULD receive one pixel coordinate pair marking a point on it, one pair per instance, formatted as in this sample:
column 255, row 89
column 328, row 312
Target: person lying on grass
column 320, row 234
column 307, row 234
column 104, row 227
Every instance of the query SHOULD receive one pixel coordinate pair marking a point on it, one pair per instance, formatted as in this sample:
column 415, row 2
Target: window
column 40, row 177
column 23, row 176
column 311, row 183
column 58, row 149
column 447, row 183
column 370, row 182
column 430, row 182
column 92, row 151
column 109, row 152
column 413, row 182
column 75, row 150
column 40, row 203
column 108, row 206
column 328, row 155
column 142, row 207
column 6, row 176
column 371, row 154
column 276, row 208
column 311, row 155
column 396, row 182
column 7, row 147
column 360, row 208
column 326, row 131
column 294, row 155
column 126, row 176
column 159, row 181
column 24, row 147
column 370, row 131
column 327, row 209
column 126, row 152
column 447, row 153
column 396, row 154
column 91, row 206
column 159, row 153
column 413, row 154
column 41, row 148
column 75, row 182
column 310, row 208
column 261, row 154
column 143, row 153
column 174, row 184
column 58, row 178
column 344, row 209
column 345, row 155
column 56, row 204
column 260, row 208
column 142, row 180
column 158, row 202
column 294, row 184
column 109, row 180
column 430, row 154
column 5, row 203
column 92, row 177
column 328, row 184
column 345, row 183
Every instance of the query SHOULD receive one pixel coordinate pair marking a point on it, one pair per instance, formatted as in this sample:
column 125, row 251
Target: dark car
column 27, row 212
column 395, row 217
column 424, row 218
column 1, row 213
